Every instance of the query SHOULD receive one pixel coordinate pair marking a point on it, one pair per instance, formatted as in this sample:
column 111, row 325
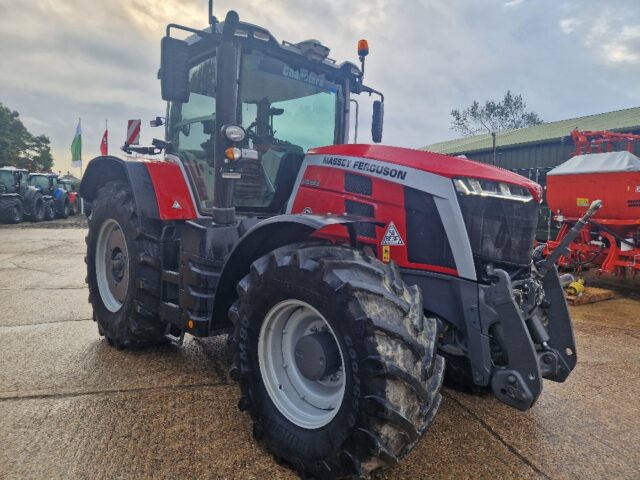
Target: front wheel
column 335, row 359
column 37, row 208
column 49, row 209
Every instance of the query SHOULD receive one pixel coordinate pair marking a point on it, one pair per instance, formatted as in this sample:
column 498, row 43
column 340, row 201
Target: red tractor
column 74, row 199
column 344, row 275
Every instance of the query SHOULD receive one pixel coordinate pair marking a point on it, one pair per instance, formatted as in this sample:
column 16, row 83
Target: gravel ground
column 74, row 221
column 72, row 407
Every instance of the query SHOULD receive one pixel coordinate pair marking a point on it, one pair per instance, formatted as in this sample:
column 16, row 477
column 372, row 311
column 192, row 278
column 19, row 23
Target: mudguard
column 104, row 169
column 265, row 236
column 159, row 187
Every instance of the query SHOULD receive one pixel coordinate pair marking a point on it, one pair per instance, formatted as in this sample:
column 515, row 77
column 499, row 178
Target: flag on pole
column 76, row 148
column 104, row 144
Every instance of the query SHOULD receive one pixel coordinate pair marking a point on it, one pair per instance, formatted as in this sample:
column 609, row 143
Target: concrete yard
column 73, row 407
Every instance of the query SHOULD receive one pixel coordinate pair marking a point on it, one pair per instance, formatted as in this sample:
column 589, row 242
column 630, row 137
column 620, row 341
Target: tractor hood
column 436, row 163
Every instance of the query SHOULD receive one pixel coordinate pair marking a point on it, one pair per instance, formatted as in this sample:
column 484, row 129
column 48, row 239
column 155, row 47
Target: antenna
column 212, row 19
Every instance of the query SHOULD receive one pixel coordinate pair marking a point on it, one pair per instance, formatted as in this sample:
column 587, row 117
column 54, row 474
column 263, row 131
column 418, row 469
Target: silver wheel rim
column 309, row 404
column 112, row 265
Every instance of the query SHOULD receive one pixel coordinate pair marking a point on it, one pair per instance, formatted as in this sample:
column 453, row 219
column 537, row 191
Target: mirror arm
column 370, row 90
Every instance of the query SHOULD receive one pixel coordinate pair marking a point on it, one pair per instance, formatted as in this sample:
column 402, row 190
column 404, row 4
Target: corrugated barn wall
column 535, row 155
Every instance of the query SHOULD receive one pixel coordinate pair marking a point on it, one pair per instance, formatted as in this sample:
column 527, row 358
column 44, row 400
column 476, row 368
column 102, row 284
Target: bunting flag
column 104, row 144
column 76, row 148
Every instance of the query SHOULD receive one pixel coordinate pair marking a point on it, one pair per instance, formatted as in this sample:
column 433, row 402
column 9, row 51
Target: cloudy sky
column 64, row 59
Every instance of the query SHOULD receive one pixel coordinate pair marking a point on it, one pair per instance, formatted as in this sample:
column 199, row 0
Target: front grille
column 427, row 241
column 501, row 231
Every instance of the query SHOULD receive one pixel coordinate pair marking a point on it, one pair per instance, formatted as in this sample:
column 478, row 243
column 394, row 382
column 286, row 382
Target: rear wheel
column 75, row 207
column 11, row 210
column 335, row 359
column 123, row 269
column 64, row 207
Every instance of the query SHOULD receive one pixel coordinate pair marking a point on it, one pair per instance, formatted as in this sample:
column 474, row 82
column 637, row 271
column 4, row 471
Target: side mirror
column 377, row 121
column 157, row 122
column 174, row 70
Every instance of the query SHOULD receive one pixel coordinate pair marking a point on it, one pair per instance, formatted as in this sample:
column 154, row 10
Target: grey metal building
column 542, row 146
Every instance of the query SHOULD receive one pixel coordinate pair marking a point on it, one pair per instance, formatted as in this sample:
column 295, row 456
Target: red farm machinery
column 346, row 276
column 611, row 242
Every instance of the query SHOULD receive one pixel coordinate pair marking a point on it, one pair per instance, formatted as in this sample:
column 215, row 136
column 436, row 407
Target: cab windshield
column 39, row 181
column 284, row 110
column 6, row 179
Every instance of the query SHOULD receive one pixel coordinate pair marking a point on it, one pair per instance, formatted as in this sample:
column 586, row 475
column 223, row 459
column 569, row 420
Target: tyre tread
column 386, row 430
column 139, row 326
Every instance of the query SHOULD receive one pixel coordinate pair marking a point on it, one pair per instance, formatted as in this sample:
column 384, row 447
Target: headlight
column 488, row 188
column 233, row 133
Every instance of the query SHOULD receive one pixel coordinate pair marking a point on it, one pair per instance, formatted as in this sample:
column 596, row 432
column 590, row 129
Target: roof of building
column 619, row 120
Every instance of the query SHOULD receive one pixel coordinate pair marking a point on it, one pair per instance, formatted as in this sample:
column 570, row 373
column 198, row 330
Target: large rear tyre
column 75, row 207
column 11, row 210
column 123, row 269
column 335, row 359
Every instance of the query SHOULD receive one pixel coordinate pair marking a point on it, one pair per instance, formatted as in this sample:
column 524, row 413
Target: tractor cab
column 248, row 107
column 47, row 183
column 66, row 185
column 12, row 179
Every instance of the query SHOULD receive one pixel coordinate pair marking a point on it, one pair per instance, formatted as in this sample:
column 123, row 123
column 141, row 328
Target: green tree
column 18, row 147
column 39, row 154
column 508, row 114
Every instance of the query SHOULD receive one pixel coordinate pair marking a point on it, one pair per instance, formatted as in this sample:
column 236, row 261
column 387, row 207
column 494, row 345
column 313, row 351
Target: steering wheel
column 252, row 130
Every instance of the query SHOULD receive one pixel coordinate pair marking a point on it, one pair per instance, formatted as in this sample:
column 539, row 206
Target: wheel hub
column 112, row 265
column 317, row 355
column 301, row 364
column 117, row 264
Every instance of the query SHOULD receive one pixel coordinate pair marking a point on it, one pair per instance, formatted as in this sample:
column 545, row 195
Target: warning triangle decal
column 392, row 236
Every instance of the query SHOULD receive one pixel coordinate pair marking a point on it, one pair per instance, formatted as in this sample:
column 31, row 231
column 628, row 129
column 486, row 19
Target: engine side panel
column 372, row 188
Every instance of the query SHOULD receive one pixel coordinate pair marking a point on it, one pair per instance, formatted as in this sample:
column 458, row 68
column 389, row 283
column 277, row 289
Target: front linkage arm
column 519, row 383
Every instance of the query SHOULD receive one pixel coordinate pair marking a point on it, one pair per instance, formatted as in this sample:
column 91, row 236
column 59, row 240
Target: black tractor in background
column 49, row 184
column 19, row 200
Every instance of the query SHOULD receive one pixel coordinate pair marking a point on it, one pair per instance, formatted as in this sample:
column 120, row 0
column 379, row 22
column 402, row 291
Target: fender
column 159, row 188
column 59, row 198
column 269, row 234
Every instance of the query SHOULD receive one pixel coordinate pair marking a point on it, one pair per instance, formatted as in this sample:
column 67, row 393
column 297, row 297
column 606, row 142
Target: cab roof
column 13, row 169
column 311, row 52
